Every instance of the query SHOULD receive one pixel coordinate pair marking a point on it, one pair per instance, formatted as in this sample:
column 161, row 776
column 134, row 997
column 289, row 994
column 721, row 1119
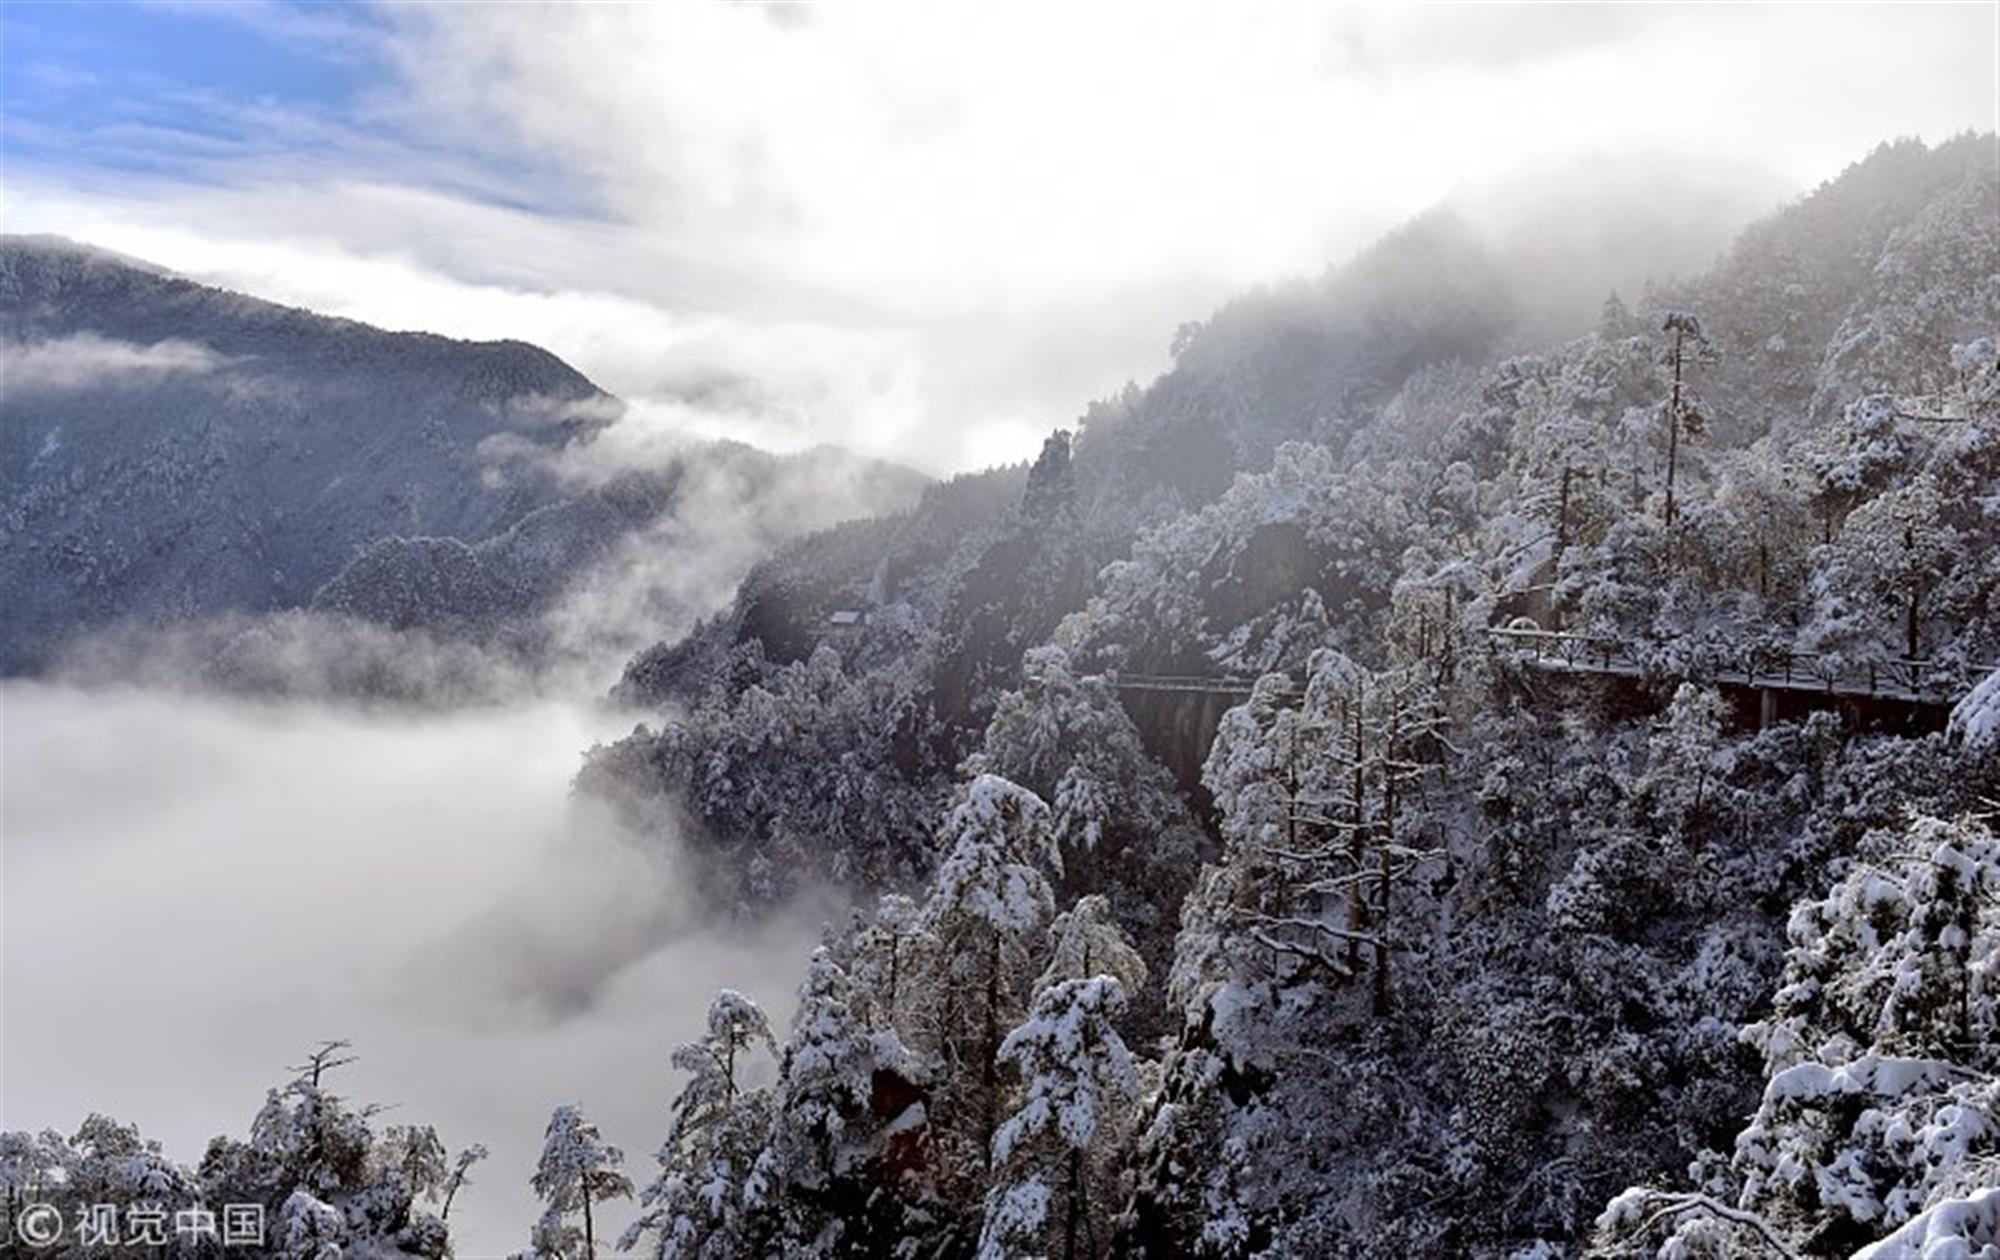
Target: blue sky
column 82, row 80
column 221, row 93
column 927, row 231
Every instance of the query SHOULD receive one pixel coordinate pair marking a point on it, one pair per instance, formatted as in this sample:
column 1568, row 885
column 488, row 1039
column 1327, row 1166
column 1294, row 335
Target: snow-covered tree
column 1873, row 448
column 1115, row 814
column 326, row 1183
column 709, row 1179
column 103, row 1166
column 1883, row 1055
column 320, row 1144
column 987, row 899
column 459, row 1177
column 1892, row 554
column 416, row 1154
column 1319, row 808
column 883, row 953
column 1902, row 956
column 1681, row 757
column 1976, row 718
column 1054, row 1156
column 1686, row 345
column 807, row 769
column 311, row 1229
column 1086, row 941
column 576, row 1171
column 824, row 1172
column 27, row 1165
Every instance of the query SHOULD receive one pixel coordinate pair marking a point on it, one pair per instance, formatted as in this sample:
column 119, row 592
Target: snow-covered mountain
column 172, row 451
column 1239, row 893
column 169, row 448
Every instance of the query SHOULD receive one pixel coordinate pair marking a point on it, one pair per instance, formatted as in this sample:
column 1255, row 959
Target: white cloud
column 937, row 231
column 933, row 158
column 88, row 360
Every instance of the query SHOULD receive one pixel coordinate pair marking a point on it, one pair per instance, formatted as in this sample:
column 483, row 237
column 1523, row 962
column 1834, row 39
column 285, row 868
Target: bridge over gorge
column 1178, row 714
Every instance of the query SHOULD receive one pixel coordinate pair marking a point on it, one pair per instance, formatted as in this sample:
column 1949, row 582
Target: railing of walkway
column 1890, row 679
column 1213, row 685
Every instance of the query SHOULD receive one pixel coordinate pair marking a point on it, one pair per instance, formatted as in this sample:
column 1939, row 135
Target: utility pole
column 1916, row 592
column 1562, row 513
column 1674, row 419
column 1679, row 416
column 1562, row 544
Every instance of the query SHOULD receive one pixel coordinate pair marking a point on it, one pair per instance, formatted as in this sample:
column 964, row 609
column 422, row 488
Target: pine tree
column 1059, row 1146
column 820, row 1171
column 415, row 1153
column 310, row 1228
column 883, row 954
column 459, row 1178
column 1882, row 1102
column 1312, row 800
column 319, row 1142
column 1114, row 813
column 577, row 1170
column 1893, row 552
column 710, row 1180
column 1408, row 741
column 987, row 898
column 1687, row 344
column 1086, row 941
column 1681, row 758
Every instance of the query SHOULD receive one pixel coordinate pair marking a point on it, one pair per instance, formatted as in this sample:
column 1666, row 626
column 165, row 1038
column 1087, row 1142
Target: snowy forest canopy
column 1379, row 937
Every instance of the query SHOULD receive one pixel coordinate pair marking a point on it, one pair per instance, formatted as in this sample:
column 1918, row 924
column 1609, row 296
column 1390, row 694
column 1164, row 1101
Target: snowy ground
column 197, row 890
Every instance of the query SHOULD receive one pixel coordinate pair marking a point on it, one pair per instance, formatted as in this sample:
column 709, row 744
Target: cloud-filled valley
column 270, row 874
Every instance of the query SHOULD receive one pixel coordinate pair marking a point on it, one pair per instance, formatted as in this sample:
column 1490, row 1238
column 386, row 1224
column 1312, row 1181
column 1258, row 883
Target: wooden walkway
column 1893, row 680
column 1178, row 714
column 1928, row 683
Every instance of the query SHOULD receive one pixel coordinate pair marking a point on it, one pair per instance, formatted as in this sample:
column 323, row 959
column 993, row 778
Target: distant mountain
column 170, row 451
column 169, row 448
column 605, row 537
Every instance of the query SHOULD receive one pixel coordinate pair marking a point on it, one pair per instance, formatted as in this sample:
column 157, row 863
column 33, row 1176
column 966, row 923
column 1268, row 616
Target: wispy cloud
column 340, row 32
column 932, row 231
column 86, row 360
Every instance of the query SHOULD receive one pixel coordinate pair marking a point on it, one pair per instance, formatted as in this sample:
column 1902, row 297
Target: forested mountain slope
column 1469, row 949
column 1425, row 462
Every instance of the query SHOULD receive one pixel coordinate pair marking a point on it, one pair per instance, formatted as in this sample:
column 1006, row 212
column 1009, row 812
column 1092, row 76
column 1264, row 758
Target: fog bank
column 197, row 889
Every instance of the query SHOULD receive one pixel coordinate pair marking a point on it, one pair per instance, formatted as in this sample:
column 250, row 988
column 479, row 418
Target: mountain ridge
column 172, row 450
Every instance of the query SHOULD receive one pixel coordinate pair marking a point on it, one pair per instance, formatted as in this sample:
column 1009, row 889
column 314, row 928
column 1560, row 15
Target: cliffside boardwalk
column 1186, row 708
column 1923, row 690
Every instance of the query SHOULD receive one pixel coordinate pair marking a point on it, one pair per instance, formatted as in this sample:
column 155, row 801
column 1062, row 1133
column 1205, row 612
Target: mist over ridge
column 834, row 633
